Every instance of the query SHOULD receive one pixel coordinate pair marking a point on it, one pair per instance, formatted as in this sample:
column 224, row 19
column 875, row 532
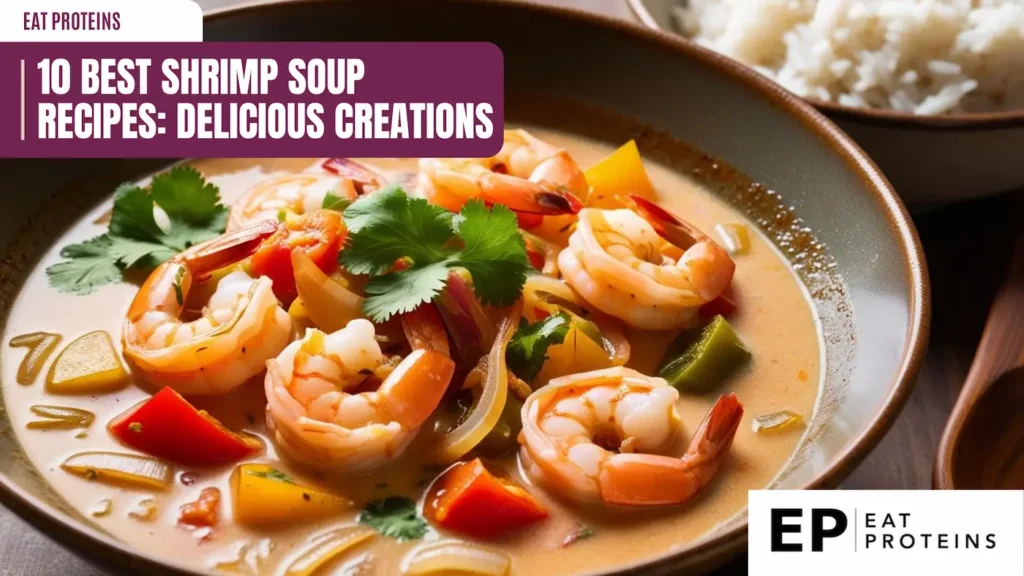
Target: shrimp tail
column 228, row 248
column 653, row 480
column 713, row 438
column 712, row 262
column 521, row 195
column 666, row 224
column 362, row 176
column 424, row 329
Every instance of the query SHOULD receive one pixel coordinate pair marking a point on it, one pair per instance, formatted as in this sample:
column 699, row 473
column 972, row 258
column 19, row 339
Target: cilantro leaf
column 140, row 254
column 528, row 348
column 494, row 252
column 387, row 226
column 394, row 517
column 401, row 292
column 135, row 237
column 132, row 216
column 87, row 266
column 188, row 198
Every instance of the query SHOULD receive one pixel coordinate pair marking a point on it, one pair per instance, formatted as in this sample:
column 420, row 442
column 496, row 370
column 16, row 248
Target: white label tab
column 867, row 532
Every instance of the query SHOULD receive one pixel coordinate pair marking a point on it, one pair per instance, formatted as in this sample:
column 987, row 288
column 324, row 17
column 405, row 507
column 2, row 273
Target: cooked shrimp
column 297, row 194
column 604, row 436
column 619, row 262
column 527, row 175
column 240, row 327
column 320, row 420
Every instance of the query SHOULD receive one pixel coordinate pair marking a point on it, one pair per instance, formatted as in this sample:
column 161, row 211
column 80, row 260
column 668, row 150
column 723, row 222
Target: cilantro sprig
column 528, row 348
column 389, row 226
column 135, row 239
column 394, row 517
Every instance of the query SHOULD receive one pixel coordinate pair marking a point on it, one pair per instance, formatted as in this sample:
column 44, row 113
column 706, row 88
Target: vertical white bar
column 22, row 100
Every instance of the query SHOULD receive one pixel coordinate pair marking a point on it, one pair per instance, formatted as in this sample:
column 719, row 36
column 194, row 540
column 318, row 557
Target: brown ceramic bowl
column 869, row 283
column 931, row 160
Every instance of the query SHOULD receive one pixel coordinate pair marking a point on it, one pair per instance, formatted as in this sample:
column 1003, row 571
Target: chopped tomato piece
column 528, row 221
column 724, row 305
column 168, row 427
column 319, row 234
column 535, row 256
column 202, row 512
column 470, row 500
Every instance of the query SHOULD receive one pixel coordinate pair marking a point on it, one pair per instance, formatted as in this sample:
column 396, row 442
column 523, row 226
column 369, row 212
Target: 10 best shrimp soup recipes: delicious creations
column 561, row 359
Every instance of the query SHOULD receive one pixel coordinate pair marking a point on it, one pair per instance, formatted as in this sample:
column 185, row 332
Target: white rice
column 919, row 56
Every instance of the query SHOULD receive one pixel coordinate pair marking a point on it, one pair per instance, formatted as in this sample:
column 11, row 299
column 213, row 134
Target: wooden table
column 967, row 248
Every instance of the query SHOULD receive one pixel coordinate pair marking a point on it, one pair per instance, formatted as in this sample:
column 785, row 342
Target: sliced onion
column 146, row 510
column 60, row 418
column 327, row 303
column 491, row 401
column 552, row 295
column 326, row 547
column 103, row 508
column 40, row 345
column 452, row 556
column 775, row 421
column 121, row 469
column 471, row 330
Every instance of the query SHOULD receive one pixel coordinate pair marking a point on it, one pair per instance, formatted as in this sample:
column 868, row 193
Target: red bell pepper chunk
column 534, row 256
column 725, row 305
column 168, row 427
column 319, row 234
column 529, row 221
column 470, row 500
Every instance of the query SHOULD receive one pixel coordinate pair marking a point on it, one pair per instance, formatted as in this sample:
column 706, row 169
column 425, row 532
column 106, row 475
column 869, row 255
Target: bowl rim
column 97, row 545
column 960, row 121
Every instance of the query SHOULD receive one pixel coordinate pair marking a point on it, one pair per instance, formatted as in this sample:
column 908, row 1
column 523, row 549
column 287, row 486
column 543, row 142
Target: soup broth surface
column 775, row 320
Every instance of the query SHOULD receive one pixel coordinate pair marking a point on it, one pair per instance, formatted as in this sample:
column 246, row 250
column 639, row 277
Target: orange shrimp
column 602, row 436
column 644, row 266
column 241, row 326
column 319, row 419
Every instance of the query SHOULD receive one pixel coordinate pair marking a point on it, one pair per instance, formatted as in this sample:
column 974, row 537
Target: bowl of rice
column 933, row 90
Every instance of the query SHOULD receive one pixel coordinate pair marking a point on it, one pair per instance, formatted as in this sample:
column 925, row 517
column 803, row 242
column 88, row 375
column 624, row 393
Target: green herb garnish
column 388, row 226
column 528, row 348
column 178, row 277
column 135, row 239
column 334, row 202
column 394, row 517
column 272, row 474
column 135, row 427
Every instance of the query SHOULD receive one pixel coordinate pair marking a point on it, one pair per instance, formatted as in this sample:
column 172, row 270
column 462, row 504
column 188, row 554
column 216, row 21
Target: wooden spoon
column 983, row 444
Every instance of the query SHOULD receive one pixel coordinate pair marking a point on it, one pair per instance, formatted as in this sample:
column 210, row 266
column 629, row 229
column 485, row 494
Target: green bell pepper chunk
column 698, row 361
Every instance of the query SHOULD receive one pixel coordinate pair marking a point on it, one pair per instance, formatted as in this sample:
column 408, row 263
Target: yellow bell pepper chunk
column 298, row 313
column 89, row 365
column 618, row 175
column 577, row 353
column 264, row 495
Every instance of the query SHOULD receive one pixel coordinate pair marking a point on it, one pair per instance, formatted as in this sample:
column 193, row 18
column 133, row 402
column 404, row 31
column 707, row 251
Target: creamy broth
column 775, row 320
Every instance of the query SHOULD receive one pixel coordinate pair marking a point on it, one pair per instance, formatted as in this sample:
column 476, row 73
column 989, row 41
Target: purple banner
column 250, row 99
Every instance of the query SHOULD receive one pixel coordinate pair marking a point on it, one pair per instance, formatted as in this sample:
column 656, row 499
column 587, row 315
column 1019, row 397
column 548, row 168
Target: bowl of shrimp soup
column 674, row 284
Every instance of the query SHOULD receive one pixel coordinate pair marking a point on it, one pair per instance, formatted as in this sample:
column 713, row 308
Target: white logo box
column 926, row 533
